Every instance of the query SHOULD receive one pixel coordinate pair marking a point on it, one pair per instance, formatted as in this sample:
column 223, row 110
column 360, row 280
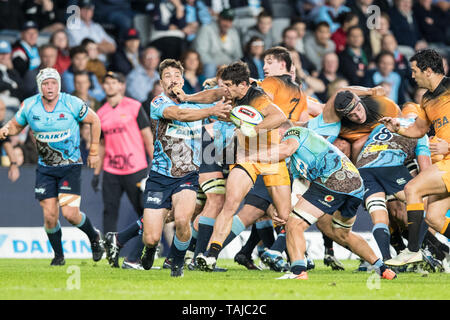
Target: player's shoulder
column 30, row 102
column 160, row 100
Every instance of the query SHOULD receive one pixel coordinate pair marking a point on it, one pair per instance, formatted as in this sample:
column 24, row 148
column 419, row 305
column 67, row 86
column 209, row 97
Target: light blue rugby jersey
column 317, row 160
column 57, row 133
column 329, row 131
column 386, row 149
column 178, row 144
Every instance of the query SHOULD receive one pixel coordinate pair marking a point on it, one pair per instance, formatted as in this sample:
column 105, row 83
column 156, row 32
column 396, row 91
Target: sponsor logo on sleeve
column 84, row 109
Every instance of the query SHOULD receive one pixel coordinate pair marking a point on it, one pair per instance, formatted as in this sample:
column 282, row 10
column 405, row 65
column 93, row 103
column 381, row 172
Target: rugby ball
column 247, row 114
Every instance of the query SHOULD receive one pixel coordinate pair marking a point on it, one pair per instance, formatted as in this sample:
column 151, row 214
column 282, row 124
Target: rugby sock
column 328, row 244
column 251, row 243
column 415, row 216
column 205, row 230
column 214, row 249
column 280, row 243
column 265, row 232
column 86, row 226
column 179, row 250
column 381, row 234
column 128, row 233
column 193, row 243
column 397, row 241
column 422, row 232
column 54, row 236
column 137, row 246
column 379, row 265
column 236, row 228
column 446, row 230
column 298, row 266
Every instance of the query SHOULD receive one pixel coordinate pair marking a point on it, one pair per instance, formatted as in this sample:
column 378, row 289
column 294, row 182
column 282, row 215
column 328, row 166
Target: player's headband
column 345, row 102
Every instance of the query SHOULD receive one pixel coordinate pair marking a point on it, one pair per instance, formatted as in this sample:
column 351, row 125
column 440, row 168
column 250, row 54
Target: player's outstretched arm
column 417, row 130
column 11, row 128
column 205, row 96
column 221, row 110
column 329, row 112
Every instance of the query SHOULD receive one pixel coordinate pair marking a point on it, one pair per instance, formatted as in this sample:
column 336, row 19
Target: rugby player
column 173, row 179
column 54, row 117
column 335, row 192
column 243, row 175
column 434, row 182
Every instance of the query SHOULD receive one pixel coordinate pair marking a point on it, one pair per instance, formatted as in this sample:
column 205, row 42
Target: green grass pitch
column 84, row 279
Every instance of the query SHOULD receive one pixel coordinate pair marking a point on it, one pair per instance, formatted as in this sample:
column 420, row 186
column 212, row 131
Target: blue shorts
column 160, row 188
column 52, row 181
column 329, row 201
column 389, row 180
column 258, row 196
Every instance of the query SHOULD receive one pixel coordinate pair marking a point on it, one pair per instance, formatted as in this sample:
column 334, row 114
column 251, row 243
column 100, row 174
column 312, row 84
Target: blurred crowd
column 333, row 43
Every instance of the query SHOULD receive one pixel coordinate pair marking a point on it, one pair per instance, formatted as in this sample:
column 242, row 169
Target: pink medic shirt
column 121, row 130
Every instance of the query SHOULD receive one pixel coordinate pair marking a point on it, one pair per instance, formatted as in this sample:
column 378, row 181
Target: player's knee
column 182, row 222
column 149, row 239
column 72, row 216
column 411, row 189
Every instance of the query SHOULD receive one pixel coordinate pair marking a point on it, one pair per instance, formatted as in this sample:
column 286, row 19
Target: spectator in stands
column 11, row 93
column 193, row 72
column 140, row 80
column 432, row 23
column 361, row 8
column 300, row 26
column 385, row 73
column 330, row 12
column 310, row 84
column 353, row 60
column 318, row 44
column 169, row 28
column 335, row 85
column 25, row 53
column 262, row 29
column 252, row 56
column 11, row 16
column 290, row 37
column 60, row 40
column 49, row 54
column 404, row 26
column 126, row 58
column 218, row 43
column 82, row 83
column 116, row 12
column 44, row 13
column 389, row 43
column 79, row 57
column 197, row 14
column 339, row 37
column 377, row 34
column 87, row 28
column 328, row 74
column 94, row 65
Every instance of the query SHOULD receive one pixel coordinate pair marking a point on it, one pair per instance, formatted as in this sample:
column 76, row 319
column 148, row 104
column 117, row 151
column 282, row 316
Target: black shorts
column 52, row 181
column 389, row 180
column 258, row 196
column 160, row 188
column 329, row 201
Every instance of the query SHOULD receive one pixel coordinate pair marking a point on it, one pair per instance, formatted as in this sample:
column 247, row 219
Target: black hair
column 237, row 72
column 429, row 58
